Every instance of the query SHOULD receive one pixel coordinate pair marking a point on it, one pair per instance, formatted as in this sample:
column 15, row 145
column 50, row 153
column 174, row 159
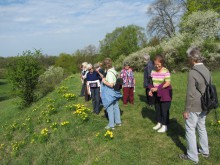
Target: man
column 147, row 77
column 194, row 115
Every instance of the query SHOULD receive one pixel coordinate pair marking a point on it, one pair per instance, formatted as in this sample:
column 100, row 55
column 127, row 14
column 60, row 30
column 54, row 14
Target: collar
column 198, row 64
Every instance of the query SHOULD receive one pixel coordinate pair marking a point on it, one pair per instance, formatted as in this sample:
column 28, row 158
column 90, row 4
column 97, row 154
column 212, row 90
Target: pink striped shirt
column 160, row 77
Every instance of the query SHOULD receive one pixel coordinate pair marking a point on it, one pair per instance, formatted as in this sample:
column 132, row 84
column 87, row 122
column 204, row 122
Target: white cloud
column 57, row 25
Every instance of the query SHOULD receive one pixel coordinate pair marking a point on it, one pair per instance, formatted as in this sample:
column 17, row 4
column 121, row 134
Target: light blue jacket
column 109, row 95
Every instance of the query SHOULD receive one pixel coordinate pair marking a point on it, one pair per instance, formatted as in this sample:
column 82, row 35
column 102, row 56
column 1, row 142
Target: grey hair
column 89, row 66
column 195, row 54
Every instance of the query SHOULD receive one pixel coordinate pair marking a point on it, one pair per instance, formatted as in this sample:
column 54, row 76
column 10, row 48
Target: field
column 49, row 132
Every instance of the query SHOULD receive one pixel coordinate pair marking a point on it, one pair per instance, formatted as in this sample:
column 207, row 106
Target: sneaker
column 107, row 127
column 162, row 129
column 185, row 157
column 119, row 125
column 204, row 155
column 157, row 126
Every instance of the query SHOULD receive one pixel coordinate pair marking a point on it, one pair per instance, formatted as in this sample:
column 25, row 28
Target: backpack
column 209, row 98
column 118, row 83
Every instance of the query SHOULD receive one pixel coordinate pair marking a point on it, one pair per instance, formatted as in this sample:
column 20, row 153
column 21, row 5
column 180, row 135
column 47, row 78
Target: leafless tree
column 164, row 17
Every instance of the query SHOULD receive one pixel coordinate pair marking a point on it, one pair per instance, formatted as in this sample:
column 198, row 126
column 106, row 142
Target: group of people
column 98, row 83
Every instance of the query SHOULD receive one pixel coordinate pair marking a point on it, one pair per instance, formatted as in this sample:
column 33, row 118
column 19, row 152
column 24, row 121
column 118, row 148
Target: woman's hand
column 150, row 93
column 153, row 89
column 103, row 80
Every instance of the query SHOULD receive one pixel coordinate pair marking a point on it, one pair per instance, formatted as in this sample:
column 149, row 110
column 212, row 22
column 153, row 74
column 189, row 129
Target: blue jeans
column 195, row 121
column 114, row 114
column 95, row 94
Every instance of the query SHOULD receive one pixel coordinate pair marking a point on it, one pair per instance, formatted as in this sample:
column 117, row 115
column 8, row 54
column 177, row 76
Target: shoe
column 204, row 155
column 162, row 129
column 118, row 125
column 107, row 127
column 157, row 126
column 185, row 157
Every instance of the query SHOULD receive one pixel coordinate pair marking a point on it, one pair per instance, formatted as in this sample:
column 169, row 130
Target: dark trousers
column 162, row 111
column 150, row 99
column 82, row 93
column 128, row 95
column 95, row 94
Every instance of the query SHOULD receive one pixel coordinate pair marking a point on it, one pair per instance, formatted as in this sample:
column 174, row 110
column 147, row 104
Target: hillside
column 49, row 132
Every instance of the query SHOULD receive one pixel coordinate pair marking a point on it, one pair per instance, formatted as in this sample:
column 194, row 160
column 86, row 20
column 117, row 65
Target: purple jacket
column 165, row 94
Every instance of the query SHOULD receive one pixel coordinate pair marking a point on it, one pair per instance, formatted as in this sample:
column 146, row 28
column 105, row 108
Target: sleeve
column 109, row 78
column 190, row 94
column 121, row 74
column 167, row 76
column 146, row 75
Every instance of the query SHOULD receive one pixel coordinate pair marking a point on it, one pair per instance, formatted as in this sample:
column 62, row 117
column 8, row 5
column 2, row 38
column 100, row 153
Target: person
column 162, row 91
column 93, row 88
column 83, row 78
column 99, row 70
column 127, row 76
column 194, row 117
column 147, row 78
column 109, row 96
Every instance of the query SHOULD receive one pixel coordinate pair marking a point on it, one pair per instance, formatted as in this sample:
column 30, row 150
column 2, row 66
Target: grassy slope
column 134, row 143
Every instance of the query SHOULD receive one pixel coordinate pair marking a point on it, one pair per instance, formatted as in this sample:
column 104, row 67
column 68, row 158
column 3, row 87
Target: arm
column 100, row 74
column 191, row 89
column 107, row 83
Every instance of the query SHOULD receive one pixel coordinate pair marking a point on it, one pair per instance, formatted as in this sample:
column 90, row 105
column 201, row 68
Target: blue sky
column 57, row 26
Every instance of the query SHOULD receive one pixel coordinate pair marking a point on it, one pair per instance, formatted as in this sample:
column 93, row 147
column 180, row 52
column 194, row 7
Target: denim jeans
column 195, row 121
column 95, row 94
column 114, row 114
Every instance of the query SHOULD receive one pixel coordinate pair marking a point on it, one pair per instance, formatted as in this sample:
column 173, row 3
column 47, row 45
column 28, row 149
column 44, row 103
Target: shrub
column 23, row 72
column 136, row 60
column 50, row 79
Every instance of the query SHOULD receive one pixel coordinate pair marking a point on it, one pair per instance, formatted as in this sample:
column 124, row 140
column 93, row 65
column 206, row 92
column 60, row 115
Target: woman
column 110, row 97
column 127, row 76
column 93, row 88
column 162, row 91
column 83, row 78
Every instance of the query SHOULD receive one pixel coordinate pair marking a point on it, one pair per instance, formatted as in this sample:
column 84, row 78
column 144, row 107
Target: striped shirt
column 160, row 77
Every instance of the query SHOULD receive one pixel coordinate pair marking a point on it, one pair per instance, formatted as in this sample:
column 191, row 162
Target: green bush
column 23, row 72
column 50, row 79
column 136, row 60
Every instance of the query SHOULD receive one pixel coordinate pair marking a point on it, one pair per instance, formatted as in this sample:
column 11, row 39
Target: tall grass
column 83, row 142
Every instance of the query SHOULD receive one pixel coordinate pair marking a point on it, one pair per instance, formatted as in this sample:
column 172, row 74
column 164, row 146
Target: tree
column 122, row 41
column 67, row 62
column 201, row 5
column 202, row 24
column 23, row 72
column 165, row 16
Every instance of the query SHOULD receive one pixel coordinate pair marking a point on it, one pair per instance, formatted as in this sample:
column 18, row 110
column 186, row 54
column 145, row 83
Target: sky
column 63, row 26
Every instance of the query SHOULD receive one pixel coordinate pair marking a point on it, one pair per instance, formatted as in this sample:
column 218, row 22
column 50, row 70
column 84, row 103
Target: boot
column 157, row 126
column 162, row 129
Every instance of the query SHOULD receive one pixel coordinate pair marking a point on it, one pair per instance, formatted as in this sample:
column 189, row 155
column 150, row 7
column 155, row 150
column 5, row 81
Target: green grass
column 133, row 143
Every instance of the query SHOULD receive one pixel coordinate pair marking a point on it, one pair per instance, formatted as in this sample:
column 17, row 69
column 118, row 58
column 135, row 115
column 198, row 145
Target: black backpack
column 118, row 83
column 209, row 98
